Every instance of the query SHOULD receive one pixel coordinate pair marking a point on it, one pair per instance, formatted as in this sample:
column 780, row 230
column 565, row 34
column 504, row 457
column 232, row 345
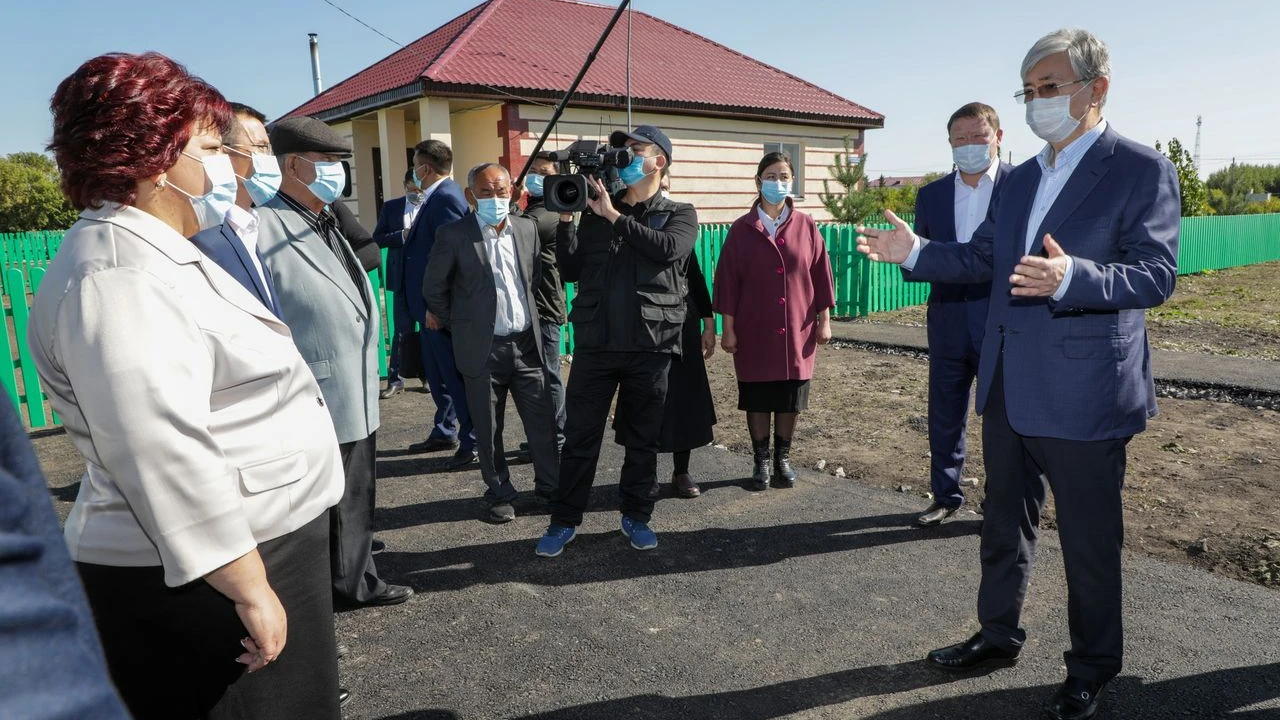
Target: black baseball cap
column 646, row 134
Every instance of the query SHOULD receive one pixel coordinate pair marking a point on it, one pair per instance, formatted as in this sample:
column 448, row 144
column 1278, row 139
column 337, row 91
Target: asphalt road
column 814, row 602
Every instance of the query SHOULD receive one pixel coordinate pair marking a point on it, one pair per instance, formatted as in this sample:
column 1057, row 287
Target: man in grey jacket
column 326, row 299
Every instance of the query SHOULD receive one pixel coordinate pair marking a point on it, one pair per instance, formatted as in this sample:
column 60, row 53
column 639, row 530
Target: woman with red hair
column 200, row 529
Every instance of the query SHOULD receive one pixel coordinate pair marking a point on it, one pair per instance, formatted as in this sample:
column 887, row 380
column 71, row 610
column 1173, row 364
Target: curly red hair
column 120, row 118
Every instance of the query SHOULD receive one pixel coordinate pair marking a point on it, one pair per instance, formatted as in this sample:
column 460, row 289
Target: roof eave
column 347, row 111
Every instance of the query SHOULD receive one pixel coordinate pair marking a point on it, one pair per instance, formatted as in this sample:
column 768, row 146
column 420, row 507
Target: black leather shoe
column 764, row 470
column 344, row 696
column 501, row 513
column 391, row 595
column 464, row 459
column 973, row 653
column 434, row 445
column 935, row 515
column 1077, row 699
column 391, row 389
column 376, row 546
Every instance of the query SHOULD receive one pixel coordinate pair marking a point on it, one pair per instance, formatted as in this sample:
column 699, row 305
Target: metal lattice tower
column 1196, row 159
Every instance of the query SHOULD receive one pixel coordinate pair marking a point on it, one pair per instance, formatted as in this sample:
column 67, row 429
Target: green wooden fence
column 862, row 287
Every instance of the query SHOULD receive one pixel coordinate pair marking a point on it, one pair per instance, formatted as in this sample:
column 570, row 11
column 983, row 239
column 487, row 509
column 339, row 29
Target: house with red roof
column 487, row 82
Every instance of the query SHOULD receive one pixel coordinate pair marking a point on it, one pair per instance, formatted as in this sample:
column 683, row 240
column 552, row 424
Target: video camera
column 568, row 191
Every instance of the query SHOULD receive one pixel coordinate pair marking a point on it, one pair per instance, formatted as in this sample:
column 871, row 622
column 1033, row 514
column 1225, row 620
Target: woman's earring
column 160, row 183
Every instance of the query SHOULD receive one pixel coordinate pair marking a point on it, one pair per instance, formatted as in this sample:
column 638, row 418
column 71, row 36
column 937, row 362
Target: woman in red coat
column 773, row 289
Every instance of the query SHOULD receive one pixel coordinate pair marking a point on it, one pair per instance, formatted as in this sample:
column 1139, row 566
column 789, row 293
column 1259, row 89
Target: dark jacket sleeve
column 437, row 285
column 383, row 233
column 699, row 296
column 362, row 244
column 671, row 244
column 567, row 255
column 53, row 662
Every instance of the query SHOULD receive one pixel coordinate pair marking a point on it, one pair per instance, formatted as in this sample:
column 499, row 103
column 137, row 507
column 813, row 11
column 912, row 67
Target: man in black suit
column 397, row 215
column 480, row 286
column 550, row 294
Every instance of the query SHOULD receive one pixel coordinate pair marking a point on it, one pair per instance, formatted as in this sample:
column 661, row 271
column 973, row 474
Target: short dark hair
column 976, row 110
column 438, row 155
column 409, row 179
column 776, row 156
column 234, row 132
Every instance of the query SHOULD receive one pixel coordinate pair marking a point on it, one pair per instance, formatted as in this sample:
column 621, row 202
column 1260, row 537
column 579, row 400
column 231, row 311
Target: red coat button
column 782, row 331
column 782, row 301
column 781, row 270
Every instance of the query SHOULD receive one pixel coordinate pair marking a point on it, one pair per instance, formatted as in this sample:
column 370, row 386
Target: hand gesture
column 1036, row 276
column 265, row 620
column 433, row 322
column 824, row 331
column 889, row 246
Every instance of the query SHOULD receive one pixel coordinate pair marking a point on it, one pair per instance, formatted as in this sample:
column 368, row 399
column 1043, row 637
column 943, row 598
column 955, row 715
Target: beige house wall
column 714, row 158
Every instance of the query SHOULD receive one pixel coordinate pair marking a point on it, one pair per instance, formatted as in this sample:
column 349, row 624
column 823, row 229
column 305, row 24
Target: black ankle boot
column 760, row 478
column 784, row 475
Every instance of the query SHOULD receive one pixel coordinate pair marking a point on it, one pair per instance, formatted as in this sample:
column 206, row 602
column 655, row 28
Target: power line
column 353, row 17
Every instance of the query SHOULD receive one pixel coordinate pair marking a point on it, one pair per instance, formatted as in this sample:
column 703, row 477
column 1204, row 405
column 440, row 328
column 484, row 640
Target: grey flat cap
column 307, row 134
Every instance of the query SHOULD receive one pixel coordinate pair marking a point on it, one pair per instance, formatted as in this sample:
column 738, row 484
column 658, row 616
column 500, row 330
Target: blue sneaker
column 641, row 535
column 552, row 544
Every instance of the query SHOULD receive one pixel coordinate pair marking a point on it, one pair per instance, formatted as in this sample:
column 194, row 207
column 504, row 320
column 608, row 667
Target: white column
column 392, row 142
column 364, row 138
column 433, row 120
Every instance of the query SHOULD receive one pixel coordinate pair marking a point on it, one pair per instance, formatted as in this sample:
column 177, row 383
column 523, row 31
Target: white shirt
column 972, row 202
column 411, row 211
column 770, row 225
column 245, row 223
column 426, row 192
column 511, row 311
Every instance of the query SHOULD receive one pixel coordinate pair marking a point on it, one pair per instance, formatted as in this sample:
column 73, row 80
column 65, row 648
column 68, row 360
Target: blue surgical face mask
column 634, row 172
column 492, row 211
column 533, row 182
column 264, row 183
column 972, row 158
column 775, row 191
column 330, row 179
column 211, row 207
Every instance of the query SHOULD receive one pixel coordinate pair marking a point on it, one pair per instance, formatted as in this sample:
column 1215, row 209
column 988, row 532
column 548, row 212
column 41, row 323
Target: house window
column 797, row 159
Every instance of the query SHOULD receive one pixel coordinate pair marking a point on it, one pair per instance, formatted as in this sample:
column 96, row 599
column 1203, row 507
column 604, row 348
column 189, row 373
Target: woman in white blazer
column 200, row 528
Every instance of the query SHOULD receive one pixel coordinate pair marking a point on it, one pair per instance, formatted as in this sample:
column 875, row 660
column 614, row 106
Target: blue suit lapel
column 250, row 271
column 1086, row 175
column 945, row 211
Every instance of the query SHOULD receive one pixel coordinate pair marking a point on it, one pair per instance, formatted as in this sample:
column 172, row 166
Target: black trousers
column 172, row 651
column 1086, row 479
column 640, row 380
column 513, row 367
column 355, row 577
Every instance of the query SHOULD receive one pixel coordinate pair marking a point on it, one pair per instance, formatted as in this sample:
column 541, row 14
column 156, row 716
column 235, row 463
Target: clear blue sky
column 915, row 62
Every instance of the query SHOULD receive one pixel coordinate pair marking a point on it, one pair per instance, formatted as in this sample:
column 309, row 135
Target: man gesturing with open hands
column 1081, row 240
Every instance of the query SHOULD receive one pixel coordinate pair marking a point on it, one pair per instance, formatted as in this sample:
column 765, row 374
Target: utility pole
column 1196, row 159
column 316, row 85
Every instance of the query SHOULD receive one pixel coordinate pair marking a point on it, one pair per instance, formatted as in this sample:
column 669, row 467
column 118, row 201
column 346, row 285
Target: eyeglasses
column 264, row 149
column 1045, row 91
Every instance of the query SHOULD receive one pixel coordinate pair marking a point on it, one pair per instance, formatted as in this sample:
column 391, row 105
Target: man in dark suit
column 1081, row 240
column 550, row 296
column 949, row 210
column 480, row 286
column 52, row 659
column 442, row 203
column 234, row 243
column 397, row 214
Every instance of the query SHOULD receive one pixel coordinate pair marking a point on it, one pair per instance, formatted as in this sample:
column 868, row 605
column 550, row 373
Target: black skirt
column 779, row 396
column 171, row 651
column 690, row 411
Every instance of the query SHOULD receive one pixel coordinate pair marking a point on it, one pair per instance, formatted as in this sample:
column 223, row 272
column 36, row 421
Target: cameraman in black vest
column 628, row 257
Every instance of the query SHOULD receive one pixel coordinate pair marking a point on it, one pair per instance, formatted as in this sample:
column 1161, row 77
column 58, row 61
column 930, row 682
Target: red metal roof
column 534, row 48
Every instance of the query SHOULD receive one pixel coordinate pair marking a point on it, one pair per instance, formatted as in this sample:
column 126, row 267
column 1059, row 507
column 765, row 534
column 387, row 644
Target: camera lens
column 568, row 194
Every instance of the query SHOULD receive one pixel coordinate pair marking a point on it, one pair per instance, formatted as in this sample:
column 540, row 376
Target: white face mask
column 1050, row 118
column 211, row 208
column 972, row 159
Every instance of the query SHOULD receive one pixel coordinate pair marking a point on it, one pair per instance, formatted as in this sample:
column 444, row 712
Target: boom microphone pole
column 573, row 87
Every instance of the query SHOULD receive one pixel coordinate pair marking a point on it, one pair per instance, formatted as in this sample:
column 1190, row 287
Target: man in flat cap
column 325, row 297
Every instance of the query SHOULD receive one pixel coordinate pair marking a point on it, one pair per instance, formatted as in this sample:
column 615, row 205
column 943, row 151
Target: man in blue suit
column 949, row 210
column 442, row 203
column 1080, row 241
column 396, row 215
column 234, row 243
